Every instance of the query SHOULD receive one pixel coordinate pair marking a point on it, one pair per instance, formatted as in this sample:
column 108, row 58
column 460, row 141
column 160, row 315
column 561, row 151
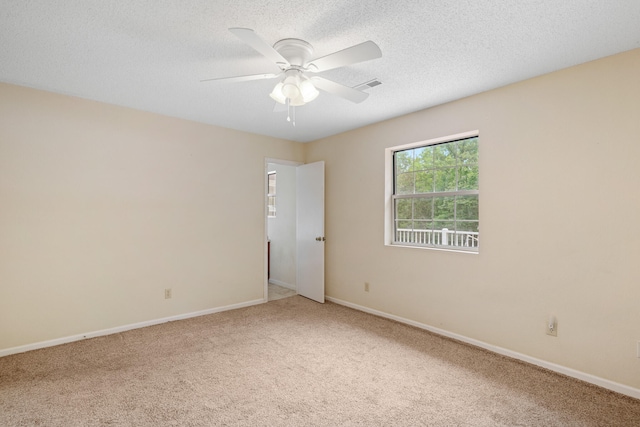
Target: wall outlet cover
column 552, row 327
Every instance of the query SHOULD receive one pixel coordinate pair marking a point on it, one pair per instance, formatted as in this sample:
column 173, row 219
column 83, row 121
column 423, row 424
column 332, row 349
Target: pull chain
column 289, row 109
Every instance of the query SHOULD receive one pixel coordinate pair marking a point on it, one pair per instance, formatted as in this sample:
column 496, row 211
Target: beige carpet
column 292, row 362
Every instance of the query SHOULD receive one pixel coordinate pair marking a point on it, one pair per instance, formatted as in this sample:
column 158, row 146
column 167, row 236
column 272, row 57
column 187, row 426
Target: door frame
column 265, row 184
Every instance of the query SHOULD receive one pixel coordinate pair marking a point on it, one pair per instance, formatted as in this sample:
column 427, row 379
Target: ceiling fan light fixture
column 291, row 86
column 294, row 89
column 308, row 91
column 277, row 94
column 297, row 102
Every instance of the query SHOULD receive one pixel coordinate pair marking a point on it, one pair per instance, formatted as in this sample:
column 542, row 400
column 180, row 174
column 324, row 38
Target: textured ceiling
column 152, row 54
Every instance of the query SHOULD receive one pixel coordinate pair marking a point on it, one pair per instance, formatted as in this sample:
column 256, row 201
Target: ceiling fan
column 299, row 84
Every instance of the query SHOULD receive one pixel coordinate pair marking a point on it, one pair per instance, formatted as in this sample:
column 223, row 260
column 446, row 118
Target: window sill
column 431, row 248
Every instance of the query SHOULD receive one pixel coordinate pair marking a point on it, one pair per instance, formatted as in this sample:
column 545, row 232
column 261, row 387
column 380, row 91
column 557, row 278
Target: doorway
column 281, row 229
column 294, row 228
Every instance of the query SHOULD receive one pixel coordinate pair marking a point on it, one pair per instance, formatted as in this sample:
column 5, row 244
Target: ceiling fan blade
column 243, row 78
column 252, row 39
column 343, row 91
column 351, row 55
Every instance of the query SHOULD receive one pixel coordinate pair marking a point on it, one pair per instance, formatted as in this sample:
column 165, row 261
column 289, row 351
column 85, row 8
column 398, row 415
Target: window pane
column 423, row 208
column 405, row 225
column 468, row 178
column 467, row 226
column 445, row 179
column 404, row 161
column 422, row 234
column 468, row 151
column 424, row 182
column 404, row 234
column 404, row 183
column 403, row 209
column 445, row 237
column 417, row 156
column 444, row 155
column 271, row 206
column 467, row 234
column 443, row 208
column 423, row 225
column 467, row 207
column 272, row 183
column 439, row 225
column 423, row 158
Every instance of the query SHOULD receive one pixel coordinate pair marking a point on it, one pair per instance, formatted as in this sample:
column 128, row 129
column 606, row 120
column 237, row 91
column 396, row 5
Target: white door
column 310, row 231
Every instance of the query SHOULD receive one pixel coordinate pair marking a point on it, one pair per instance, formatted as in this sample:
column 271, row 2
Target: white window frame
column 389, row 226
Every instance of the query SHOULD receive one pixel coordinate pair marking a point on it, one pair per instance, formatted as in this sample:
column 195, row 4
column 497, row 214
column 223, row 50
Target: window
column 271, row 195
column 435, row 195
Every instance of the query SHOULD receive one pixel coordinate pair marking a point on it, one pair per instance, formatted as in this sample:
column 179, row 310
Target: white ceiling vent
column 368, row 85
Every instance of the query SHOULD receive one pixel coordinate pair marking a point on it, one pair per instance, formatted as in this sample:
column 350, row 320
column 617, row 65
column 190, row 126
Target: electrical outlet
column 167, row 293
column 552, row 326
column 366, row 286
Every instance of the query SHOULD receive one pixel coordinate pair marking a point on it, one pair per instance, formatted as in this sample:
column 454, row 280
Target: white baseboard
column 601, row 382
column 65, row 340
column 283, row 284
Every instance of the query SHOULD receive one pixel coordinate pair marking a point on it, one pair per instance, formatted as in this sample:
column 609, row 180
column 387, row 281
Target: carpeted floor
column 292, row 362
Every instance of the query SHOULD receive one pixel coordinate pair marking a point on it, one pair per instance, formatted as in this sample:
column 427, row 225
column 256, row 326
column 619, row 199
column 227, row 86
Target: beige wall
column 559, row 210
column 103, row 207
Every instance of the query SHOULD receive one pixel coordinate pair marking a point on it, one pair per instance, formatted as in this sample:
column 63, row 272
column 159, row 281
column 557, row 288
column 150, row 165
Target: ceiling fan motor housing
column 297, row 52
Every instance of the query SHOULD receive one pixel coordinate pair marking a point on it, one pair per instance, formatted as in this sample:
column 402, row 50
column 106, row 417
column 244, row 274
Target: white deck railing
column 444, row 237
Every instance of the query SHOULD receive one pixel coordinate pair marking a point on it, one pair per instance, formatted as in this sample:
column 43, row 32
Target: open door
column 310, row 231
